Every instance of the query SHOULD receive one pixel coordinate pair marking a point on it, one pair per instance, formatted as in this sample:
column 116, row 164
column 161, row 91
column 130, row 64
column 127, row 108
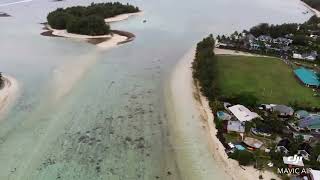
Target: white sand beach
column 229, row 168
column 121, row 17
column 8, row 94
column 112, row 40
column 64, row 33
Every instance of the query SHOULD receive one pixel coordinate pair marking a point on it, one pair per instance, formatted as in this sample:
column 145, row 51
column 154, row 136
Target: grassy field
column 269, row 79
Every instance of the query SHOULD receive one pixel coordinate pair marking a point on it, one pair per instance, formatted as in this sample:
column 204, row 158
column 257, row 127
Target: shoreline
column 121, row 17
column 8, row 94
column 228, row 168
column 116, row 37
column 314, row 11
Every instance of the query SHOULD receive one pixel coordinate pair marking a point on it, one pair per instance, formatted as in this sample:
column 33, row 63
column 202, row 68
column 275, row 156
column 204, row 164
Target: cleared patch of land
column 269, row 79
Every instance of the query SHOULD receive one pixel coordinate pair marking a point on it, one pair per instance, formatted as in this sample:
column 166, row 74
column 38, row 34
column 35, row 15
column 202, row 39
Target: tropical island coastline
column 230, row 81
column 91, row 23
column 230, row 168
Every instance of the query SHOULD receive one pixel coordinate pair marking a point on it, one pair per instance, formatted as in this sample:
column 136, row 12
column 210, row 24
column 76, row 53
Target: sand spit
column 8, row 94
column 121, row 17
column 116, row 37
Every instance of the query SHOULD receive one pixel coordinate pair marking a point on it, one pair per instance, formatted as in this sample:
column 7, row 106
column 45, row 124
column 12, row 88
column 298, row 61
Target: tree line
column 88, row 20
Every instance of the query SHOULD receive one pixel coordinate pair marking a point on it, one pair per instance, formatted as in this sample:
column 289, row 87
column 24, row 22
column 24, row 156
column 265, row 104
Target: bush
column 58, row 19
column 91, row 25
column 244, row 158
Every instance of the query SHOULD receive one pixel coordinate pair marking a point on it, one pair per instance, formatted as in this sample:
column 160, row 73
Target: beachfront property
column 308, row 77
column 242, row 113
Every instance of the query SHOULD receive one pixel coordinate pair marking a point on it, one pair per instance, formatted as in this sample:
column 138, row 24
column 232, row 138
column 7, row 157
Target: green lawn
column 269, row 79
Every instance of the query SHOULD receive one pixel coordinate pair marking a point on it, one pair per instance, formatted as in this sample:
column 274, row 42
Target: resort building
column 307, row 77
column 311, row 122
column 242, row 113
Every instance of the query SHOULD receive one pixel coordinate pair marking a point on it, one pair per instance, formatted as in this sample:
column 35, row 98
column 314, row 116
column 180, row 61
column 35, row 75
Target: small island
column 90, row 23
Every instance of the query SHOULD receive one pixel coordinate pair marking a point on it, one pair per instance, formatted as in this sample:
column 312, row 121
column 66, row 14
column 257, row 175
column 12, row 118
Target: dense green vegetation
column 250, row 81
column 245, row 158
column 88, row 20
column 204, row 67
column 313, row 3
column 299, row 33
column 268, row 79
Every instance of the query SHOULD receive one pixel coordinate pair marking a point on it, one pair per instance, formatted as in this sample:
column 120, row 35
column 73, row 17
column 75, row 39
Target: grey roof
column 236, row 126
column 283, row 109
column 285, row 143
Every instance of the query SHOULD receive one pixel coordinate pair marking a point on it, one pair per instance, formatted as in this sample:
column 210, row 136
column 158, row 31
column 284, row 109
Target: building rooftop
column 242, row 113
column 307, row 76
column 284, row 142
column 306, row 147
column 283, row 109
column 302, row 114
column 235, row 126
column 312, row 121
column 252, row 142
